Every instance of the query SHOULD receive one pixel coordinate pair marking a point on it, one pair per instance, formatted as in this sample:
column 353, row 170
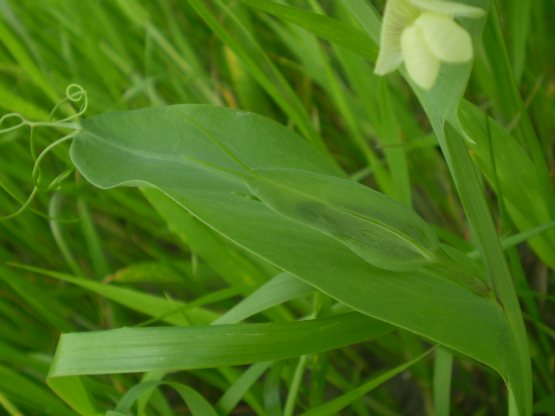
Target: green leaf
column 237, row 390
column 191, row 153
column 443, row 372
column 379, row 229
column 129, row 350
column 281, row 288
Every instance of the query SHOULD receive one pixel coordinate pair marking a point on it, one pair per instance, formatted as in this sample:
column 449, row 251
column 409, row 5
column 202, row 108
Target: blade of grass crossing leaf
column 149, row 349
column 212, row 297
column 519, row 238
column 335, row 406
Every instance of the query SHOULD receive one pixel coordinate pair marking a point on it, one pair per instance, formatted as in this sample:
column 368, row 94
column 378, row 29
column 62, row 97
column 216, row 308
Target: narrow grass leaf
column 22, row 390
column 335, row 406
column 237, row 390
column 525, row 203
column 198, row 405
column 259, row 64
column 171, row 311
column 282, row 288
column 443, row 373
column 129, row 350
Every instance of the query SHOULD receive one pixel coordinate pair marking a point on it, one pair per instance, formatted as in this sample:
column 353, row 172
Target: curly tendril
column 75, row 94
column 76, row 97
column 36, row 173
column 9, row 116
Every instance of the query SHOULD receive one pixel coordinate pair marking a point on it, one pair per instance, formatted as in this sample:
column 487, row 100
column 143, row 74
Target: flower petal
column 422, row 65
column 449, row 41
column 398, row 15
column 449, row 8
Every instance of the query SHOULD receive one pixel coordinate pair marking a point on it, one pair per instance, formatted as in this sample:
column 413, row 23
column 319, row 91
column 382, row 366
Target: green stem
column 474, row 203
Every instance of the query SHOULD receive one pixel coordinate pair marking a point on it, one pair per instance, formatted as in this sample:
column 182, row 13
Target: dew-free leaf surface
column 198, row 158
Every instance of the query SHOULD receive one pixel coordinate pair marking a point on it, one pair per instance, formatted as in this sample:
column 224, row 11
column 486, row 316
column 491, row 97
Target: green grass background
column 131, row 54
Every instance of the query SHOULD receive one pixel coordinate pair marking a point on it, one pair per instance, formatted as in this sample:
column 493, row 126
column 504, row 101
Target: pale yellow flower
column 422, row 34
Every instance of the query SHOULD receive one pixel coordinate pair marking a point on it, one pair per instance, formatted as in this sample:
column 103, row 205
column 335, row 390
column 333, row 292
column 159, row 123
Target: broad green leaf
column 191, row 153
column 379, row 229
